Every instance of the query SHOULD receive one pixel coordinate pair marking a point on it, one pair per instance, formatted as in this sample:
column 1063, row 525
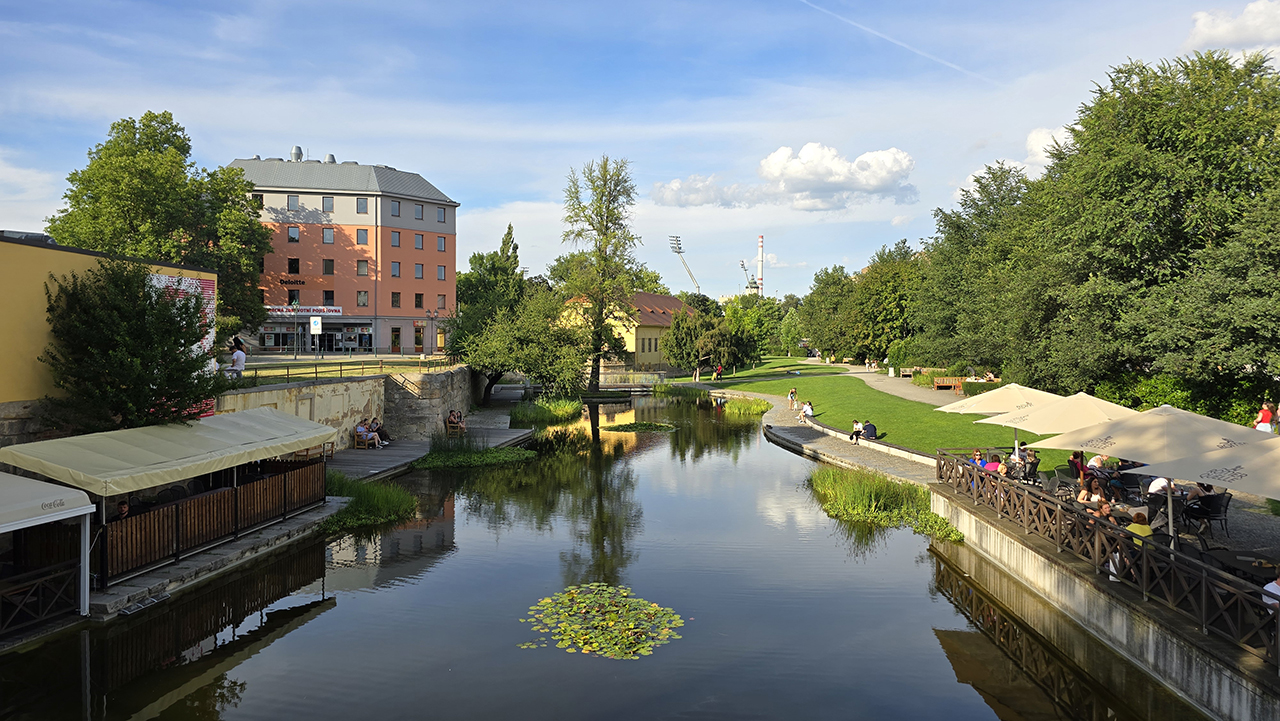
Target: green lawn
column 770, row 366
column 837, row 402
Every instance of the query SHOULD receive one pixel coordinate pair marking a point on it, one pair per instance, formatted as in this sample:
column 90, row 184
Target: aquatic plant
column 747, row 407
column 448, row 458
column 605, row 620
column 371, row 504
column 639, row 427
column 546, row 410
column 870, row 497
column 666, row 390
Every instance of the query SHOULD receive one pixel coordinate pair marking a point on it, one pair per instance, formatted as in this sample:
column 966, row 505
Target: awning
column 25, row 503
column 114, row 462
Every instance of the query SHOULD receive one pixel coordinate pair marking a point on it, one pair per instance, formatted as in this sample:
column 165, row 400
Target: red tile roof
column 656, row 309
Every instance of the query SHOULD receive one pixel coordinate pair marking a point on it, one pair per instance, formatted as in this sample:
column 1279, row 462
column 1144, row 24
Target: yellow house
column 25, row 265
column 653, row 317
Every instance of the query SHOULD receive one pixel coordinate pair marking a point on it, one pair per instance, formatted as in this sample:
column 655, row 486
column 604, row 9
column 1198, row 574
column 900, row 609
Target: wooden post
column 177, row 530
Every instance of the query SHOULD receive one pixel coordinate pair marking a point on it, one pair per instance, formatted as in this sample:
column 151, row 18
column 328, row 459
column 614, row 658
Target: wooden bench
column 360, row 442
column 454, row 430
column 948, row 382
column 323, row 451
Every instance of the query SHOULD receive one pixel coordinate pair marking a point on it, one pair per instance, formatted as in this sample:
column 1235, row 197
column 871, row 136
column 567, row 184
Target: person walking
column 1265, row 417
column 791, row 399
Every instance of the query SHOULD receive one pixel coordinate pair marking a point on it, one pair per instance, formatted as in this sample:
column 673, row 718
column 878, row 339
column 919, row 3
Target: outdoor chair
column 1208, row 509
column 1206, row 546
column 1161, row 539
column 454, row 430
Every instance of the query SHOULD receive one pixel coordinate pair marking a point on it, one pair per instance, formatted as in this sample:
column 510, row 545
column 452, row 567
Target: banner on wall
column 206, row 288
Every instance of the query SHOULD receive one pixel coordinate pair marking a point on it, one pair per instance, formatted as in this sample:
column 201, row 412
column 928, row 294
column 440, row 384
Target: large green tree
column 535, row 339
column 493, row 287
column 681, row 344
column 826, row 312
column 141, row 196
column 884, row 295
column 125, row 352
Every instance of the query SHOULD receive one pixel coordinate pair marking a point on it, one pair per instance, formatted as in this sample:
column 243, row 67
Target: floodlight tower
column 679, row 250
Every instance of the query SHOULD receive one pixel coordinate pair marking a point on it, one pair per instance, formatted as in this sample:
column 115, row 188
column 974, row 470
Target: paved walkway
column 900, row 387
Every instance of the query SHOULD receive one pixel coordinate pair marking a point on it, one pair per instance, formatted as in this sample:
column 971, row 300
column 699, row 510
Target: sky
column 831, row 127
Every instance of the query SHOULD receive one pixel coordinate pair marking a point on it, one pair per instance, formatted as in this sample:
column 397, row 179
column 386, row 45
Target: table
column 1242, row 562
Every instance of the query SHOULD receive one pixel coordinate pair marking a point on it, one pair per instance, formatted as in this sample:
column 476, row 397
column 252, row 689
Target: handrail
column 301, row 371
column 1222, row 604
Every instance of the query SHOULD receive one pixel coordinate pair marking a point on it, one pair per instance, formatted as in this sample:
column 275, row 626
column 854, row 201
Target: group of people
column 373, row 432
column 861, row 429
column 455, row 419
column 1020, row 458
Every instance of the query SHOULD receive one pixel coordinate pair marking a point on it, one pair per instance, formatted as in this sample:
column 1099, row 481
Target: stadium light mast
column 679, row 250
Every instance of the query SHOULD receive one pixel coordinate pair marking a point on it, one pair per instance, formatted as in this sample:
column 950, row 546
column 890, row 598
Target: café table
column 1247, row 563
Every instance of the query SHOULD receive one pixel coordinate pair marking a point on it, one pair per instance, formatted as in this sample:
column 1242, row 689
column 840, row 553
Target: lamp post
column 678, row 249
column 297, row 334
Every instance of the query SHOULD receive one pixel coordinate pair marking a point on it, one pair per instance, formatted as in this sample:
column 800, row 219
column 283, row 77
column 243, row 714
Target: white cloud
column 899, row 220
column 27, row 195
column 1257, row 27
column 1039, row 142
column 771, row 260
column 815, row 178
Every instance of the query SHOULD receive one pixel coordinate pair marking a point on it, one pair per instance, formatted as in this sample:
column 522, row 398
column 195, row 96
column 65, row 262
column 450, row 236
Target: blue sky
column 831, row 127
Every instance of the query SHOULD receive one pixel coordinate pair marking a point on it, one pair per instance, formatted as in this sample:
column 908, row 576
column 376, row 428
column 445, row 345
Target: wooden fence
column 264, row 375
column 34, row 597
column 174, row 530
column 1220, row 603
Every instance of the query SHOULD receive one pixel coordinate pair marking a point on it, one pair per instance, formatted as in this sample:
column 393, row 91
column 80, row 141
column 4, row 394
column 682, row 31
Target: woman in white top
column 236, row 369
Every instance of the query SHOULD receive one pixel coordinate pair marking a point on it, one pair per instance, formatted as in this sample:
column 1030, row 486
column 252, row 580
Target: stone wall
column 337, row 402
column 418, row 403
column 20, row 423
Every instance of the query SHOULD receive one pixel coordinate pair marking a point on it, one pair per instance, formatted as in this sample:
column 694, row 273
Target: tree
column 791, row 332
column 884, row 294
column 494, row 285
column 140, row 196
column 701, row 303
column 597, row 213
column 125, row 352
column 534, row 339
column 825, row 313
column 680, row 344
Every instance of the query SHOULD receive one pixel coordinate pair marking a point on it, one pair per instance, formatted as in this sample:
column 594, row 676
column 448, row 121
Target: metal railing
column 346, row 369
column 1220, row 603
column 34, row 597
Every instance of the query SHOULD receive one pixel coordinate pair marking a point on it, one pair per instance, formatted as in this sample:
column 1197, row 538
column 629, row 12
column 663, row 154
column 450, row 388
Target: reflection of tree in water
column 861, row 539
column 208, row 701
column 578, row 478
column 701, row 426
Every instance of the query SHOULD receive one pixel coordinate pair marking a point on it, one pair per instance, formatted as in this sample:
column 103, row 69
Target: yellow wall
column 24, row 325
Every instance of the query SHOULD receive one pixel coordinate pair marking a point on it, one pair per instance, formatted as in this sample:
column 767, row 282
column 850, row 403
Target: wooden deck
column 368, row 465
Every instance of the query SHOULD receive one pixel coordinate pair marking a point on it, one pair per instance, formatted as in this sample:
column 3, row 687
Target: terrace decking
column 370, row 465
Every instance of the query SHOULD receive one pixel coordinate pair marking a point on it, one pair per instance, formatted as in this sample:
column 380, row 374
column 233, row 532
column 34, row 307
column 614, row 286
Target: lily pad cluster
column 639, row 427
column 606, row 620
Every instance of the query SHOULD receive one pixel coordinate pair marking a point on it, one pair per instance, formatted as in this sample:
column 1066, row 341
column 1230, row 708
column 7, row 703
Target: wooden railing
column 169, row 532
column 34, row 597
column 314, row 371
column 1224, row 605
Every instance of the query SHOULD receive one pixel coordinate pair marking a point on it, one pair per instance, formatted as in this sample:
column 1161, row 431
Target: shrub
column 372, row 504
column 666, row 390
column 546, row 410
column 974, row 388
column 869, row 497
column 747, row 407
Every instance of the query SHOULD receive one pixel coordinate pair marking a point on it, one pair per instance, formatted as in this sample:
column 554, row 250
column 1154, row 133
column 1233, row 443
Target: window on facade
column 417, row 212
column 417, row 300
column 295, row 296
column 328, row 297
column 417, row 241
column 327, row 268
column 362, row 267
column 294, row 266
column 417, row 270
column 439, row 272
column 293, row 235
column 395, row 209
column 293, row 202
column 328, row 236
column 395, row 336
column 262, row 264
column 362, row 205
column 326, row 203
column 362, row 298
column 362, row 236
column 395, row 300
column 395, row 239
column 440, row 302
column 439, row 215
column 256, row 200
column 440, row 243
column 395, row 269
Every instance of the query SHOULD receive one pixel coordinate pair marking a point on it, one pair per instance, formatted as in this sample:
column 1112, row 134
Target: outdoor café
column 159, row 494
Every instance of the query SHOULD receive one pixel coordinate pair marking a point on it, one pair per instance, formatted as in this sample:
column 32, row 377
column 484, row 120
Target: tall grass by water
column 467, row 452
column 547, row 410
column 874, row 498
column 666, row 390
column 747, row 407
column 372, row 504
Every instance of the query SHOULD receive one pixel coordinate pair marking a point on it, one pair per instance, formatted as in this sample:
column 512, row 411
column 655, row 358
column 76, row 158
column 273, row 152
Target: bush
column 869, row 497
column 546, row 410
column 974, row 388
column 746, row 407
column 372, row 504
column 666, row 390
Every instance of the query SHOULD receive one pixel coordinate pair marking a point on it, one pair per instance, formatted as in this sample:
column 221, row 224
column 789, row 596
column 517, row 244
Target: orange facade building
column 370, row 249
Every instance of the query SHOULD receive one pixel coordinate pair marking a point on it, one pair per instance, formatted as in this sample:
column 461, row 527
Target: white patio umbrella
column 1010, row 398
column 1252, row 468
column 1063, row 415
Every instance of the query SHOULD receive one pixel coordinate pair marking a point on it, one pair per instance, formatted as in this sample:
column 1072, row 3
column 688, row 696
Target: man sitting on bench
column 455, row 425
column 366, row 437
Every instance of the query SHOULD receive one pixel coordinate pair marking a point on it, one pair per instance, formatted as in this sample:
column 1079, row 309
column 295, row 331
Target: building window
column 328, row 297
column 262, row 264
column 417, row 270
column 295, row 296
column 328, row 236
column 417, row 241
column 326, row 203
column 395, row 269
column 439, row 215
column 395, row 239
column 294, row 266
column 395, row 209
column 362, row 267
column 362, row 299
column 395, row 300
column 362, row 236
column 439, row 272
column 417, row 212
column 440, row 301
column 362, row 205
column 293, row 202
column 440, row 243
column 293, row 235
column 328, row 266
column 255, row 199
column 417, row 300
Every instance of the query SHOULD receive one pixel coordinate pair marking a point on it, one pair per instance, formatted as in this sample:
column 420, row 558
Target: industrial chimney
column 296, row 154
column 760, row 268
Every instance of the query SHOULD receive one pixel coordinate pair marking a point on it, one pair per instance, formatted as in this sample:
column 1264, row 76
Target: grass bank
column 372, row 504
column 868, row 497
column 770, row 366
column 666, row 390
column 546, row 410
column 746, row 407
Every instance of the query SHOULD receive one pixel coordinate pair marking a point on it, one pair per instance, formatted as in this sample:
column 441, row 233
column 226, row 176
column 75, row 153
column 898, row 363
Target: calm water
column 788, row 614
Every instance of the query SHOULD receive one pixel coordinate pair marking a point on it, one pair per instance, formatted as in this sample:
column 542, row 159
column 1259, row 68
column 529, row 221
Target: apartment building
column 370, row 249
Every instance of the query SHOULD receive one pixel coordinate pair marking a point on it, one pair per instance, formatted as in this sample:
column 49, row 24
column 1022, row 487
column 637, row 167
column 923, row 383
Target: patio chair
column 1161, row 539
column 1208, row 509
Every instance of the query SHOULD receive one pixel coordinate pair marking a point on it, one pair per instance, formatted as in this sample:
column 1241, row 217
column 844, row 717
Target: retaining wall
column 337, row 402
column 418, row 403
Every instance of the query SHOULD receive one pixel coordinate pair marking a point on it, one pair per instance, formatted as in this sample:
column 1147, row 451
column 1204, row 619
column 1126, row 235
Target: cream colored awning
column 1005, row 399
column 114, row 462
column 1062, row 416
column 25, row 503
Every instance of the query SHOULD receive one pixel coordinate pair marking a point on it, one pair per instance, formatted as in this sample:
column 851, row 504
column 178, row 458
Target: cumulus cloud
column 899, row 220
column 1039, row 142
column 1257, row 27
column 771, row 260
column 815, row 178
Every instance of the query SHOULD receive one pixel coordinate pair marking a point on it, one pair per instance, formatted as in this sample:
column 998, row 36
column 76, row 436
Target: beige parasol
column 1005, row 399
column 1061, row 416
column 1251, row 468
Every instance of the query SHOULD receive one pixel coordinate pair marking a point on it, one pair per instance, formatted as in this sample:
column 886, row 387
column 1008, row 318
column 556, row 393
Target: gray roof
column 351, row 177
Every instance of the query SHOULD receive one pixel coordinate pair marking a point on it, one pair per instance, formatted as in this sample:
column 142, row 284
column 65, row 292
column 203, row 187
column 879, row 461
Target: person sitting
column 1273, row 588
column 377, row 427
column 1139, row 527
column 1103, row 511
column 1097, row 467
column 856, row 435
column 807, row 410
column 869, row 430
column 455, row 418
column 989, row 377
column 1200, row 490
column 977, row 459
column 369, row 437
column 122, row 510
column 1078, row 466
column 995, row 464
column 1092, row 492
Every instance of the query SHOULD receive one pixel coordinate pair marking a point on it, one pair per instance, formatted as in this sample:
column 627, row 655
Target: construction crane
column 679, row 250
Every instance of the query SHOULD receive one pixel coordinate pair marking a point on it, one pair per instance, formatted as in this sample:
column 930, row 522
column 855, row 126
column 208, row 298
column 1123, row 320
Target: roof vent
column 296, row 154
column 349, row 162
column 276, row 159
column 255, row 157
column 330, row 159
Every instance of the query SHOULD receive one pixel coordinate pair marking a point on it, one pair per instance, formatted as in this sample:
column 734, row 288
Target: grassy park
column 770, row 366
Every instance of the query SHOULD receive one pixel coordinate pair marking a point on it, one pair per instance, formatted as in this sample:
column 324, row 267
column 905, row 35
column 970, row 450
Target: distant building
column 654, row 314
column 370, row 249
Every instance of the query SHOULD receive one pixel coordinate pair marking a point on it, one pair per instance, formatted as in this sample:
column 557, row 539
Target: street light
column 679, row 250
column 297, row 335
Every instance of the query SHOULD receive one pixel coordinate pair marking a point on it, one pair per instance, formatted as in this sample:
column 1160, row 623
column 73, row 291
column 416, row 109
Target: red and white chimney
column 760, row 268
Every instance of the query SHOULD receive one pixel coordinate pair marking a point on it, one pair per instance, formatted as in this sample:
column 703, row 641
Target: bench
column 323, row 451
column 453, row 430
column 359, row 442
column 953, row 383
